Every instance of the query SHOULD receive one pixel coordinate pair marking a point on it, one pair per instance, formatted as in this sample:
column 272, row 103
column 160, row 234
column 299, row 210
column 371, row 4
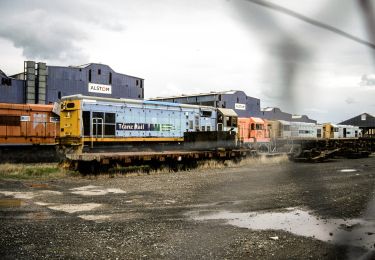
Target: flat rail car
column 175, row 160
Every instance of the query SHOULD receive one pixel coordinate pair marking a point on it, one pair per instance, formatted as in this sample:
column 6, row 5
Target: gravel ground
column 150, row 216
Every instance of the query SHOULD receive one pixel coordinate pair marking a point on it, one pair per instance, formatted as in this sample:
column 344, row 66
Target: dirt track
column 162, row 215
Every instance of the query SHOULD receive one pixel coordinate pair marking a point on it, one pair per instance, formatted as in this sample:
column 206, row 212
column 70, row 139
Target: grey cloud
column 54, row 29
column 367, row 80
column 350, row 100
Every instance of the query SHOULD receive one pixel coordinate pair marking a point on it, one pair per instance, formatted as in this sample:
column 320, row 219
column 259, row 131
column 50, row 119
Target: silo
column 29, row 70
column 41, row 82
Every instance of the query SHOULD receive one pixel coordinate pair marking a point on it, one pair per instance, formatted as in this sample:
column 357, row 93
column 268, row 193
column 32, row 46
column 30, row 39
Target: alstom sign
column 100, row 88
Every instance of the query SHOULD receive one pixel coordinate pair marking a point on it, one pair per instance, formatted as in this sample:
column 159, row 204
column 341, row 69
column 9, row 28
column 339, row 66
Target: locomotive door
column 319, row 133
column 97, row 127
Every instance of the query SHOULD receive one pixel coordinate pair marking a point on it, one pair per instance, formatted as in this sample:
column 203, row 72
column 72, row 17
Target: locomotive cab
column 227, row 120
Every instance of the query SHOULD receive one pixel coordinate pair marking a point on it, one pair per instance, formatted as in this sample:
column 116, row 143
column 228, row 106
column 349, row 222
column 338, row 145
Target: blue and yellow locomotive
column 88, row 122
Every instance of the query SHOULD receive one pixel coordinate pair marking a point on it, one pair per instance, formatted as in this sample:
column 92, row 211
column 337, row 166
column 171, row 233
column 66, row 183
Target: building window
column 110, row 78
column 141, row 84
column 137, row 82
column 219, row 97
column 99, row 71
column 59, row 95
column 6, row 81
column 238, row 100
column 139, row 96
column 89, row 75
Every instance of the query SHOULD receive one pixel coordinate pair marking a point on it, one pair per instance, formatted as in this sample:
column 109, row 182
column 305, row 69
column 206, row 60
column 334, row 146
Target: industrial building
column 11, row 90
column 245, row 106
column 364, row 121
column 43, row 84
column 275, row 113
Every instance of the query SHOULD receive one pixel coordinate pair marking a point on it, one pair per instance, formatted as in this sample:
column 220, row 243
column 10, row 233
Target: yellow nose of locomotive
column 70, row 119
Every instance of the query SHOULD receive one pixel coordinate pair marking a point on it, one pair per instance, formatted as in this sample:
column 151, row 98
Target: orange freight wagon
column 28, row 124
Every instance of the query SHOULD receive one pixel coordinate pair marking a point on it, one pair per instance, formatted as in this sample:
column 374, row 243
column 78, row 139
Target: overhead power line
column 306, row 19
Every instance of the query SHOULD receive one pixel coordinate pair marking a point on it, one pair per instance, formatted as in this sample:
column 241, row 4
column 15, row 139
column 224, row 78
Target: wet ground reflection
column 300, row 222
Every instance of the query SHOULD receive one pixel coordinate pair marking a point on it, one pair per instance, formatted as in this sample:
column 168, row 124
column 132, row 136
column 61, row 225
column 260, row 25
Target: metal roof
column 3, row 74
column 268, row 109
column 83, row 66
column 200, row 94
column 257, row 120
column 362, row 120
column 131, row 101
column 228, row 112
column 284, row 122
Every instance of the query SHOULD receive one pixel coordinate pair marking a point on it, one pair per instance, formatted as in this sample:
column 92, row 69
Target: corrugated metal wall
column 222, row 100
column 47, row 86
column 15, row 93
column 64, row 81
column 276, row 114
column 252, row 105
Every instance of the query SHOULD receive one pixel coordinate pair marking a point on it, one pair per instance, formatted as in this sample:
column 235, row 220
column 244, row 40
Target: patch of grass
column 201, row 165
column 129, row 169
column 33, row 171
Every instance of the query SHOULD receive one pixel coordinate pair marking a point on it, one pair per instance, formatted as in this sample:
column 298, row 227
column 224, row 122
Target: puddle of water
column 51, row 192
column 116, row 191
column 88, row 187
column 220, row 203
column 353, row 232
column 72, row 208
column 169, row 202
column 18, row 195
column 95, row 217
column 10, row 203
column 348, row 170
column 40, row 203
column 91, row 190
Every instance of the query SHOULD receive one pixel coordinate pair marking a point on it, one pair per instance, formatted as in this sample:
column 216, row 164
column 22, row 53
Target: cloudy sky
column 182, row 47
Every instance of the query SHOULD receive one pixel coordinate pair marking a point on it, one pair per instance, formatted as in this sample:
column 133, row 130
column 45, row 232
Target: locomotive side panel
column 303, row 130
column 28, row 124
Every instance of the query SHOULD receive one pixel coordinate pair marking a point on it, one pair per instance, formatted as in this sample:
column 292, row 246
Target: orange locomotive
column 28, row 124
column 28, row 133
column 253, row 131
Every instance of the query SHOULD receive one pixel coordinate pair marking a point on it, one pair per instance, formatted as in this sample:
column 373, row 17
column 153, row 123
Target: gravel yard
column 241, row 211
